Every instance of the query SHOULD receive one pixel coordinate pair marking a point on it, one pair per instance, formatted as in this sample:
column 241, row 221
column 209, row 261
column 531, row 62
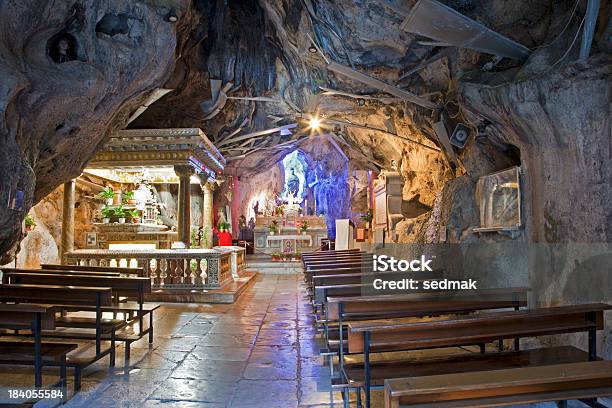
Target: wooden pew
column 327, row 254
column 58, row 272
column 339, row 262
column 34, row 317
column 559, row 382
column 86, row 268
column 131, row 287
column 343, row 310
column 321, row 293
column 392, row 335
column 77, row 296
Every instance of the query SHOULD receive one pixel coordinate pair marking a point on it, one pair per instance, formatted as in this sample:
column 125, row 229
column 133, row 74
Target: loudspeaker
column 460, row 136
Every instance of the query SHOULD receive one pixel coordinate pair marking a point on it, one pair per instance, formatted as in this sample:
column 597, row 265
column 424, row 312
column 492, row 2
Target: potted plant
column 107, row 194
column 276, row 257
column 273, row 227
column 128, row 198
column 368, row 217
column 29, row 223
column 303, row 227
column 107, row 213
column 120, row 213
column 134, row 215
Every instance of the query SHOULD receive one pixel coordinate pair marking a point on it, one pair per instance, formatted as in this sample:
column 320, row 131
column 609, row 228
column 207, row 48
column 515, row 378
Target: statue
column 293, row 184
column 256, row 208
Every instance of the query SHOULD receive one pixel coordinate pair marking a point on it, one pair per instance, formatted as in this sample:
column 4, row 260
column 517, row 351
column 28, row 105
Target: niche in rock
column 113, row 24
column 62, row 47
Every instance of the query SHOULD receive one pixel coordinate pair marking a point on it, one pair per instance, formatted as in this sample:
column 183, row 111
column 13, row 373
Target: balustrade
column 171, row 268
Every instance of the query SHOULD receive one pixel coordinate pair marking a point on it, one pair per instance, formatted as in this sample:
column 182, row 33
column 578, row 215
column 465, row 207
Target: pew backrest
column 87, row 268
column 56, row 295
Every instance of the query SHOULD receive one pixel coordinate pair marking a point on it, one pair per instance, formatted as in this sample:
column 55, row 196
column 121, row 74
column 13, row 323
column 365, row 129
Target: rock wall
column 41, row 245
column 71, row 73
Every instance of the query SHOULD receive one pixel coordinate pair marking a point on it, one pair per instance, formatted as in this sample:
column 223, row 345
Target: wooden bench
column 324, row 254
column 86, row 268
column 343, row 310
column 131, row 287
column 58, row 272
column 583, row 381
column 77, row 297
column 392, row 335
column 33, row 317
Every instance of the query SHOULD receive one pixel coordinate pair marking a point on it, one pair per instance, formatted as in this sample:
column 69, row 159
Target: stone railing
column 237, row 260
column 170, row 268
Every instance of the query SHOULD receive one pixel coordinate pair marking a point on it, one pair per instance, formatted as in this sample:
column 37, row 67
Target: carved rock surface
column 64, row 87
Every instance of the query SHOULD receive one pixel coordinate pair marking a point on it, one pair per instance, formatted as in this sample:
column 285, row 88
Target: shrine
column 305, row 203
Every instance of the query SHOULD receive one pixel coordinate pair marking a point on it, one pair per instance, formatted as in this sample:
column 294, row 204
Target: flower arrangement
column 302, row 226
column 273, row 227
column 368, row 217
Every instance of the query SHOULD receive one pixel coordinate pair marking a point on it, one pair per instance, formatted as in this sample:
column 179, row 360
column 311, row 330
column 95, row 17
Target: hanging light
column 315, row 123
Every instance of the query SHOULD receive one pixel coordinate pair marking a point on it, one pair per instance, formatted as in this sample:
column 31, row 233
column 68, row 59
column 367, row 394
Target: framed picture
column 91, row 240
column 499, row 199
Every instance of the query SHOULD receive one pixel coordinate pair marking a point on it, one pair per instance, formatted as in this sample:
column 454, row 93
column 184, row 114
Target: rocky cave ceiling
column 210, row 54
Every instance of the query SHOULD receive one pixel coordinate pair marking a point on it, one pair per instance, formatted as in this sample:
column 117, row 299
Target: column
column 67, row 243
column 207, row 213
column 184, row 172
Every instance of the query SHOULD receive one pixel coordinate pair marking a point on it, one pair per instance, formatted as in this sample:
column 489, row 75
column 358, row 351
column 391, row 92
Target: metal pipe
column 589, row 28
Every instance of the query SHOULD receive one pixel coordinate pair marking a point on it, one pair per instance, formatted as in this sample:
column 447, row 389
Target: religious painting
column 499, row 199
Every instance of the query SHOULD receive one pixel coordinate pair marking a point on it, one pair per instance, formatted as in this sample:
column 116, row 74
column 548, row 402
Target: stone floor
column 260, row 352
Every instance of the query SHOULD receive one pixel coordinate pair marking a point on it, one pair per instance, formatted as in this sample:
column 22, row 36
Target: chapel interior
column 193, row 192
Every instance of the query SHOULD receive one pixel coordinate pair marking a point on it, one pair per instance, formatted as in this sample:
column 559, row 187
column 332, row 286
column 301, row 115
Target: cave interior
column 490, row 131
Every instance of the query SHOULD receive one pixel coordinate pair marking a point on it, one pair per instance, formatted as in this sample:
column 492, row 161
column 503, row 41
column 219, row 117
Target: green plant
column 304, row 226
column 127, row 196
column 368, row 217
column 29, row 221
column 119, row 212
column 134, row 213
column 273, row 227
column 106, row 193
column 224, row 226
column 107, row 212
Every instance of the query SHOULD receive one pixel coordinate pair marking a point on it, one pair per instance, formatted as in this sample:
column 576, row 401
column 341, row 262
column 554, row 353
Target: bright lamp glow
column 315, row 123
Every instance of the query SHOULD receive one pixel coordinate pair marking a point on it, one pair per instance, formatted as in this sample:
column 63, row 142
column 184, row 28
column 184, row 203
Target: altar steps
column 264, row 265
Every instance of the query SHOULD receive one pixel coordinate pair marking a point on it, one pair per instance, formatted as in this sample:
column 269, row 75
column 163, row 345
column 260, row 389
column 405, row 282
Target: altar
column 276, row 234
column 288, row 241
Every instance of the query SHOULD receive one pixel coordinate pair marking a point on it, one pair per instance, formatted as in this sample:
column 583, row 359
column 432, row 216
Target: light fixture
column 312, row 49
column 171, row 17
column 314, row 123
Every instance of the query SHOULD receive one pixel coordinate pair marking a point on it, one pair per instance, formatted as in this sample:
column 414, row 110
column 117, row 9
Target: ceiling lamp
column 312, row 49
column 315, row 123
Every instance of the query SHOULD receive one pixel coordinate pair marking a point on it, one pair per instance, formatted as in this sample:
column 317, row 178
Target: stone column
column 184, row 173
column 207, row 213
column 67, row 243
